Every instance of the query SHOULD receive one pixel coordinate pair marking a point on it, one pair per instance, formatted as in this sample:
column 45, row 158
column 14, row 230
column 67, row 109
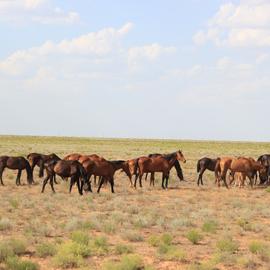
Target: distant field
column 185, row 227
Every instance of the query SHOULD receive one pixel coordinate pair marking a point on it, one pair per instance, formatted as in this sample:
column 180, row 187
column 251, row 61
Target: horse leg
column 140, row 180
column 167, row 180
column 152, row 179
column 112, row 184
column 54, row 179
column 45, row 181
column 80, row 187
column 18, row 178
column 100, row 184
column 163, row 177
column 145, row 179
column 72, row 181
column 1, row 174
column 95, row 180
column 200, row 180
column 51, row 183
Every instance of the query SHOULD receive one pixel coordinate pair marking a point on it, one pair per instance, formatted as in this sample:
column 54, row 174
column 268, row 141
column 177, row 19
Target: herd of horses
column 80, row 168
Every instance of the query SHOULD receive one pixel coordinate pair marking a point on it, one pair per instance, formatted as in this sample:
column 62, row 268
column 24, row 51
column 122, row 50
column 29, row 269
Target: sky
column 189, row 69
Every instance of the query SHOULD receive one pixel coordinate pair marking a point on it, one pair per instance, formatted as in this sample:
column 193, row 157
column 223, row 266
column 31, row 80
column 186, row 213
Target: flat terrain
column 184, row 227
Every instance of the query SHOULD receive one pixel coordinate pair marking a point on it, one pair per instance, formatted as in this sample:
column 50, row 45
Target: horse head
column 180, row 156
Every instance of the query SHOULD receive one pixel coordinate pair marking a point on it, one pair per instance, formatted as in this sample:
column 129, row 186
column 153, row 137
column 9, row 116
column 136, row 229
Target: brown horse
column 65, row 169
column 74, row 156
column 241, row 164
column 162, row 164
column 36, row 159
column 105, row 169
column 132, row 165
column 176, row 165
column 203, row 164
column 16, row 163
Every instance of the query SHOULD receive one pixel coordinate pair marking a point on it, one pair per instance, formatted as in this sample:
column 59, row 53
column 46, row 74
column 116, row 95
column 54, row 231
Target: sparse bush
column 45, row 250
column 210, row 226
column 70, row 254
column 261, row 249
column 154, row 240
column 80, row 237
column 194, row 237
column 5, row 251
column 128, row 262
column 5, row 224
column 14, row 263
column 123, row 249
column 132, row 236
column 99, row 246
column 18, row 246
column 167, row 238
column 14, row 203
column 227, row 245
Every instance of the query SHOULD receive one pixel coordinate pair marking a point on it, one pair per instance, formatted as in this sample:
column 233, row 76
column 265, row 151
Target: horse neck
column 171, row 158
column 117, row 165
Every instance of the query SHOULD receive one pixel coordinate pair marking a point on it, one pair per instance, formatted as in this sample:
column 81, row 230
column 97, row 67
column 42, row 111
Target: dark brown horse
column 203, row 164
column 16, row 163
column 36, row 159
column 65, row 169
column 176, row 165
column 162, row 164
column 265, row 161
column 105, row 169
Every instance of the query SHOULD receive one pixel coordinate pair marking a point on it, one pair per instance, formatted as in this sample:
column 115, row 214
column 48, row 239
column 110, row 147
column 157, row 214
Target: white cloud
column 244, row 25
column 40, row 11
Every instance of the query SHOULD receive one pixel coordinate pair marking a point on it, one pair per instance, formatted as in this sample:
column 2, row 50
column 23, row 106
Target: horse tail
column 136, row 167
column 198, row 166
column 29, row 173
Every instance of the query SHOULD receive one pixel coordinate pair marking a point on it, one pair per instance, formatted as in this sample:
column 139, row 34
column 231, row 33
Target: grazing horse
column 162, row 164
column 16, row 163
column 203, row 164
column 176, row 165
column 39, row 160
column 105, row 169
column 241, row 164
column 265, row 161
column 132, row 169
column 65, row 169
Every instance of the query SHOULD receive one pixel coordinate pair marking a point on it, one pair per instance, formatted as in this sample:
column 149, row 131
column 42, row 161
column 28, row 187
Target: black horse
column 176, row 165
column 36, row 159
column 65, row 169
column 205, row 164
column 265, row 161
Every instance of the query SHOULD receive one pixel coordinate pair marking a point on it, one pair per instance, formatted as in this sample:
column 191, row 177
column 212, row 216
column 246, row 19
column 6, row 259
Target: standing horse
column 36, row 159
column 176, row 165
column 265, row 161
column 65, row 169
column 132, row 169
column 105, row 169
column 16, row 163
column 203, row 164
column 241, row 164
column 162, row 164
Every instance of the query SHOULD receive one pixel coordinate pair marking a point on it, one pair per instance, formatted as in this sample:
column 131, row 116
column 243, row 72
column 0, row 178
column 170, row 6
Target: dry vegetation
column 185, row 227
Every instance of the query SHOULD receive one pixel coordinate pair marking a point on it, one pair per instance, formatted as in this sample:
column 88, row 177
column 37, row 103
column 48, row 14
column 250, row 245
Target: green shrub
column 210, row 226
column 14, row 263
column 18, row 246
column 244, row 224
column 5, row 252
column 133, row 236
column 14, row 203
column 70, row 254
column 123, row 249
column 127, row 262
column 80, row 237
column 154, row 240
column 267, row 189
column 227, row 245
column 261, row 249
column 166, row 239
column 45, row 250
column 99, row 246
column 5, row 224
column 194, row 237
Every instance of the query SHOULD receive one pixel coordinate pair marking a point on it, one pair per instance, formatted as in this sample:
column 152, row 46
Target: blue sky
column 149, row 69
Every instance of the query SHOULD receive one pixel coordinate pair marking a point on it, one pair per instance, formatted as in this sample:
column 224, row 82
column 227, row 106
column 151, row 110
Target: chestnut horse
column 105, row 169
column 65, row 169
column 176, row 165
column 74, row 156
column 162, row 164
column 36, row 159
column 132, row 165
column 241, row 164
column 16, row 163
column 203, row 164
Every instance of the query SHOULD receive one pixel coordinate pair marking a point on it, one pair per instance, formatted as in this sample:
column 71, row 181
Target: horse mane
column 117, row 162
column 168, row 157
